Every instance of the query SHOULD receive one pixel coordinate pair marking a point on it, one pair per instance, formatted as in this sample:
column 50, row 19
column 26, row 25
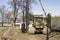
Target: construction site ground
column 14, row 33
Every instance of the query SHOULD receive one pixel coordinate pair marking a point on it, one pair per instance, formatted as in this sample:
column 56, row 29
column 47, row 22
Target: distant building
column 19, row 22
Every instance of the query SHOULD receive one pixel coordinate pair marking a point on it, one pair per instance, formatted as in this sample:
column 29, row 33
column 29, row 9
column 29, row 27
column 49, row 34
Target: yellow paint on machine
column 39, row 27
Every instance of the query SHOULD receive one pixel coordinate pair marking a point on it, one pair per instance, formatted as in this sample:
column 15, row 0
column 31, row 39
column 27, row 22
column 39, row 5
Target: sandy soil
column 14, row 33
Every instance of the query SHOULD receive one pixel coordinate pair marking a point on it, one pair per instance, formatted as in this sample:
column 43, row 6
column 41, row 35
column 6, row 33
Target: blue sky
column 52, row 6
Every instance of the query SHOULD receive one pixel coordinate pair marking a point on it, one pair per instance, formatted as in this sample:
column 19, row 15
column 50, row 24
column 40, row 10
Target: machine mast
column 42, row 7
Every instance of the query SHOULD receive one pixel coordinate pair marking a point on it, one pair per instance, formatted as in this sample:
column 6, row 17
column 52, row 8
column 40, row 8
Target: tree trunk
column 14, row 1
column 27, row 11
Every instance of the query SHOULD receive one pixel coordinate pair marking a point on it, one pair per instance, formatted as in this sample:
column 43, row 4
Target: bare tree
column 2, row 13
column 15, row 5
column 8, row 16
column 24, row 5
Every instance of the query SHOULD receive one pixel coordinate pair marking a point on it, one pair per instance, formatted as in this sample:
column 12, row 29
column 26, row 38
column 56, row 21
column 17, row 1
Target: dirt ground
column 14, row 33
